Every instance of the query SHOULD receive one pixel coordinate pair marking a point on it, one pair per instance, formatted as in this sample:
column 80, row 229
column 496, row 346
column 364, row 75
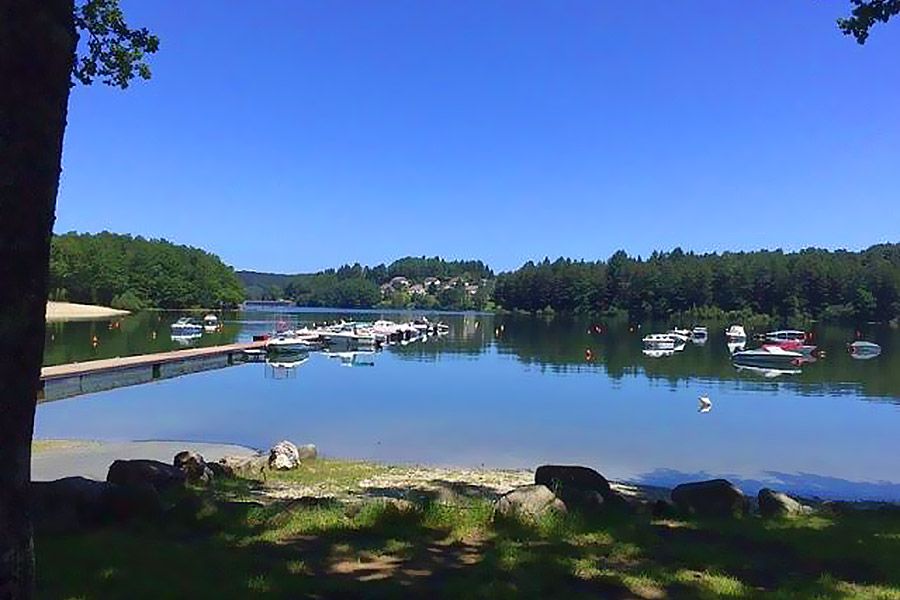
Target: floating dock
column 65, row 381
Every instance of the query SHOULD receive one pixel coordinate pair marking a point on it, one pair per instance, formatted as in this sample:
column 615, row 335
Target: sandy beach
column 68, row 311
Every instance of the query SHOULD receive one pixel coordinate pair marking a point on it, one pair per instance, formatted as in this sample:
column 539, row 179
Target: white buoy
column 705, row 404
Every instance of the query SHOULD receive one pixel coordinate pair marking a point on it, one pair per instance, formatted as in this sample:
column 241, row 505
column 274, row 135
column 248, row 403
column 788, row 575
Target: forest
column 134, row 273
column 812, row 283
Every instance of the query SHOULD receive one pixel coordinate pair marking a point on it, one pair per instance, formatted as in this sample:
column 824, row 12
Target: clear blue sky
column 295, row 135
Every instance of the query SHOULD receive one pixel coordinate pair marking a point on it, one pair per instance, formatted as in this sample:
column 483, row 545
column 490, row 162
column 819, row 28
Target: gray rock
column 221, row 470
column 249, row 467
column 778, row 504
column 307, row 452
column 195, row 469
column 713, row 498
column 530, row 501
column 284, row 456
column 141, row 471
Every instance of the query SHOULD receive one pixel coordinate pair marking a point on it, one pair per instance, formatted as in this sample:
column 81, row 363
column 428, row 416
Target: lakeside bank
column 70, row 311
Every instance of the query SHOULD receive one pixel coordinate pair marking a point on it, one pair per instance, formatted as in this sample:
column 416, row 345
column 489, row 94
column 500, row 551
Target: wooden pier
column 64, row 381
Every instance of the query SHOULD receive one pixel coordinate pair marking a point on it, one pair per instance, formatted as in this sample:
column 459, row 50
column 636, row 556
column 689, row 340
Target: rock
column 141, row 471
column 529, row 501
column 250, row 467
column 75, row 502
column 662, row 509
column 778, row 504
column 579, row 487
column 284, row 456
column 307, row 452
column 68, row 504
column 221, row 470
column 713, row 498
column 194, row 467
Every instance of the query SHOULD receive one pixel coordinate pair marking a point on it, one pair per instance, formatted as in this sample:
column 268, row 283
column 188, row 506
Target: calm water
column 514, row 391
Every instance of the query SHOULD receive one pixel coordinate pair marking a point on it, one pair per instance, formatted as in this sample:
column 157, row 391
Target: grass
column 211, row 546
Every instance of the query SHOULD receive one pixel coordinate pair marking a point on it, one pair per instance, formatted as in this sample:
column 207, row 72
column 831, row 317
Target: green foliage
column 113, row 52
column 865, row 14
column 812, row 283
column 134, row 273
column 357, row 286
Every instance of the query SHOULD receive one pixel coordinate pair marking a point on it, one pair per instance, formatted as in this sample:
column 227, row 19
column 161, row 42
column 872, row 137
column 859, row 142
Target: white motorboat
column 290, row 341
column 735, row 333
column 210, row 323
column 663, row 341
column 767, row 356
column 862, row 350
column 185, row 327
column 681, row 334
column 699, row 332
column 736, row 346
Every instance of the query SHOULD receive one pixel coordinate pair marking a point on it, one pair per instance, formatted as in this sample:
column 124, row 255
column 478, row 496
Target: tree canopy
column 133, row 272
column 865, row 14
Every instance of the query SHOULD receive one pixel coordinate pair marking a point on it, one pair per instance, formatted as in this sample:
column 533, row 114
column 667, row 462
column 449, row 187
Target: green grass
column 209, row 547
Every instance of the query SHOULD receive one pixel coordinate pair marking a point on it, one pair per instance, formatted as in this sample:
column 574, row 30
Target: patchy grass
column 330, row 473
column 38, row 446
column 212, row 546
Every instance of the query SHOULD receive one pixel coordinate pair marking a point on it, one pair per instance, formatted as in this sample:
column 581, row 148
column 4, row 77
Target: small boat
column 862, row 350
column 784, row 335
column 680, row 334
column 289, row 341
column 699, row 332
column 185, row 327
column 663, row 341
column 735, row 333
column 767, row 356
column 210, row 323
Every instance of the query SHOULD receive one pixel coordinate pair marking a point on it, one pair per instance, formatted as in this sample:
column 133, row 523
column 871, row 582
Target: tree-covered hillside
column 407, row 282
column 133, row 273
column 812, row 283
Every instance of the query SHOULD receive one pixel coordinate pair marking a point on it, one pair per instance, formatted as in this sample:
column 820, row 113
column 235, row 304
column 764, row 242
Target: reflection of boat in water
column 862, row 350
column 285, row 367
column 186, row 339
column 657, row 352
column 767, row 356
column 699, row 335
column 354, row 359
column 735, row 346
column 767, row 372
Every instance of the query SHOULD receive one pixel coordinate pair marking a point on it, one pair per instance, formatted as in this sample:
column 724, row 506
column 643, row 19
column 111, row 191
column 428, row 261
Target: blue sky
column 296, row 135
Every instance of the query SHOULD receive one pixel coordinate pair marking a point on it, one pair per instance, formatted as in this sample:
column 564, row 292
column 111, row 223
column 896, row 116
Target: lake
column 518, row 391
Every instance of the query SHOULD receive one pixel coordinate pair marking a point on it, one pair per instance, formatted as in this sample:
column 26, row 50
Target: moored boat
column 210, row 323
column 767, row 356
column 186, row 327
column 863, row 350
column 783, row 335
column 735, row 333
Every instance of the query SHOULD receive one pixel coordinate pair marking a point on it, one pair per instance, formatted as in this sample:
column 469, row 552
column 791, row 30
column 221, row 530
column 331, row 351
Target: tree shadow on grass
column 316, row 548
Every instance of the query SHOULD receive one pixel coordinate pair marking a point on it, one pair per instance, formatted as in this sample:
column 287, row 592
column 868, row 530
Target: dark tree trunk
column 37, row 47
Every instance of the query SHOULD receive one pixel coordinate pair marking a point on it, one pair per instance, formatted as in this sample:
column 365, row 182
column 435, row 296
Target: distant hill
column 265, row 286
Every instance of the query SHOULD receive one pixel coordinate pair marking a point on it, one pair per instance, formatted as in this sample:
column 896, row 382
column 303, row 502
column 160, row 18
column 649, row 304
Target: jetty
column 65, row 381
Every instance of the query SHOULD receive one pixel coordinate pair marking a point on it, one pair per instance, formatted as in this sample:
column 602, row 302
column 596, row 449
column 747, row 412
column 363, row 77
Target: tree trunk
column 37, row 47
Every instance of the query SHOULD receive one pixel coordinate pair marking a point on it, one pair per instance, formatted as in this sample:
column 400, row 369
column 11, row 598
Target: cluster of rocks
column 135, row 488
column 563, row 488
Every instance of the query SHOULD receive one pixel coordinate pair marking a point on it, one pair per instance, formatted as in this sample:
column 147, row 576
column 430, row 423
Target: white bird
column 705, row 404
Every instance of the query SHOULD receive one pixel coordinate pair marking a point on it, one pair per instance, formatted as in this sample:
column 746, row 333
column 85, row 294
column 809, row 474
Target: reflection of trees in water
column 139, row 333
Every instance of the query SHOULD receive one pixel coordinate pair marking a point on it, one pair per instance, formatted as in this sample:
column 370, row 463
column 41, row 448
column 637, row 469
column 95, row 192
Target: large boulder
column 779, row 504
column 308, row 452
column 195, row 469
column 579, row 487
column 139, row 472
column 249, row 467
column 67, row 504
column 531, row 501
column 75, row 502
column 284, row 456
column 713, row 498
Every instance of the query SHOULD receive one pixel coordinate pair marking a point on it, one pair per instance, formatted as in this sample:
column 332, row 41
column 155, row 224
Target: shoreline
column 71, row 311
column 57, row 458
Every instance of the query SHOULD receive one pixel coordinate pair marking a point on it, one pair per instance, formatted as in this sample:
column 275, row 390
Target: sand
column 67, row 311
